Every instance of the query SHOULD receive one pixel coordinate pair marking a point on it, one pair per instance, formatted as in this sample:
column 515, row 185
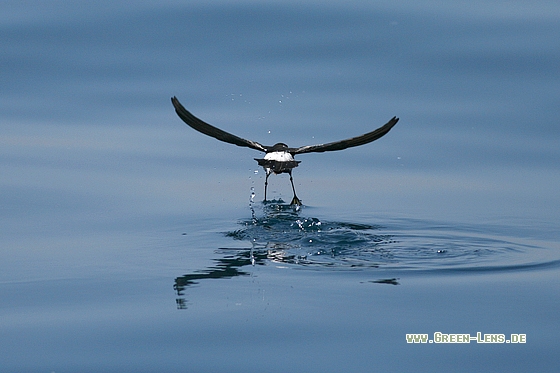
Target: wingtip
column 176, row 104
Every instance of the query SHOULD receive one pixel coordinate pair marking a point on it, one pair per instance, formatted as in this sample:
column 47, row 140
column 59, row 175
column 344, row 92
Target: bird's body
column 278, row 158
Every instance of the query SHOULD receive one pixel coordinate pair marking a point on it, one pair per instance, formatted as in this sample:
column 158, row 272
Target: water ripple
column 281, row 233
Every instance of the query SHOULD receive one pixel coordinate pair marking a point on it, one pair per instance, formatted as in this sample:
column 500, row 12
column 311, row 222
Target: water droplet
column 252, row 195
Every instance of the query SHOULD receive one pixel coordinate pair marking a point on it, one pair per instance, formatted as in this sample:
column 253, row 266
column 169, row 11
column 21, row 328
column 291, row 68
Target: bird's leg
column 295, row 200
column 266, row 183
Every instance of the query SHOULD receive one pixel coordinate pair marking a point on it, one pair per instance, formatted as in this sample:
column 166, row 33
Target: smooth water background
column 128, row 242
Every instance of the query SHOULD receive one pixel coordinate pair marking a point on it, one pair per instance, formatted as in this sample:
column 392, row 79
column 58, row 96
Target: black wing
column 348, row 143
column 212, row 131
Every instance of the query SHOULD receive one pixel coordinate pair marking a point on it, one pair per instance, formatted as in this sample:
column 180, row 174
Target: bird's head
column 279, row 147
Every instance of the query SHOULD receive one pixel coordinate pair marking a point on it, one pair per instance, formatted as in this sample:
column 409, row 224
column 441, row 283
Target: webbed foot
column 296, row 201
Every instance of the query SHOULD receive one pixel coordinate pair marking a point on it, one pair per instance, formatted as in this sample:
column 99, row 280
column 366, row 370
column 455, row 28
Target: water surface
column 130, row 242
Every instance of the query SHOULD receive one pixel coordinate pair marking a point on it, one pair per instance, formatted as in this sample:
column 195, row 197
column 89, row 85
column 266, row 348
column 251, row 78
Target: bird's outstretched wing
column 212, row 131
column 348, row 143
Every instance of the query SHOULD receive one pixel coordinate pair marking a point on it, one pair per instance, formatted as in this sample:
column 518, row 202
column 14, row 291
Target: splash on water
column 280, row 230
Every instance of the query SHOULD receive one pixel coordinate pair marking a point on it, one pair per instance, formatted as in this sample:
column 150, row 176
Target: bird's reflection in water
column 231, row 265
column 226, row 267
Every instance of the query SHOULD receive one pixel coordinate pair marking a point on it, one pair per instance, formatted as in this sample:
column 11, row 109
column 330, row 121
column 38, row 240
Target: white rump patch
column 279, row 156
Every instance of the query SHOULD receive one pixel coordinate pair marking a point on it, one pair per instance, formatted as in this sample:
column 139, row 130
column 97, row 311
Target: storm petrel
column 279, row 158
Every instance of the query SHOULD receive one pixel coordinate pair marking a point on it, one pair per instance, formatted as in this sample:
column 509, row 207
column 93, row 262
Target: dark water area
column 131, row 243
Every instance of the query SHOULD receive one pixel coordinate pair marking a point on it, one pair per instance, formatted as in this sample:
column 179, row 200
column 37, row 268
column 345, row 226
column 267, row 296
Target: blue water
column 131, row 243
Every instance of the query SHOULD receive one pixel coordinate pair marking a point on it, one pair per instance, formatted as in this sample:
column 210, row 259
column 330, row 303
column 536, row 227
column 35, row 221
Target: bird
column 278, row 158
